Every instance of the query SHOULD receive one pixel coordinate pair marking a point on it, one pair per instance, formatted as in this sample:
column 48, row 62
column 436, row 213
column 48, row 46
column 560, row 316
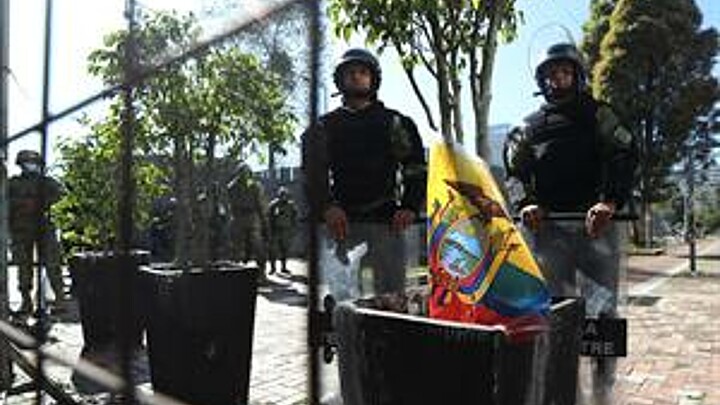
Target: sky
column 546, row 22
column 80, row 24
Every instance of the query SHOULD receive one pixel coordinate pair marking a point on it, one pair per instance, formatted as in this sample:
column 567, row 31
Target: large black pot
column 199, row 332
column 390, row 358
column 104, row 285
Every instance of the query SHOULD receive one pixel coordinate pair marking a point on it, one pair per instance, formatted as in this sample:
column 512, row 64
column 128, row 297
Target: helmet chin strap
column 368, row 93
column 358, row 99
column 559, row 96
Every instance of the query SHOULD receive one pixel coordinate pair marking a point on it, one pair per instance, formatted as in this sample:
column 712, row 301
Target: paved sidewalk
column 674, row 331
column 674, row 337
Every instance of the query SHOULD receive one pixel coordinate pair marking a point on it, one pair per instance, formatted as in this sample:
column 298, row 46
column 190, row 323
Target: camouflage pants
column 576, row 265
column 248, row 243
column 23, row 248
column 281, row 239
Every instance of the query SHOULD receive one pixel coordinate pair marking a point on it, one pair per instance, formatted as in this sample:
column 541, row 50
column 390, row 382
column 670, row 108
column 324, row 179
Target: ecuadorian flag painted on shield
column 481, row 269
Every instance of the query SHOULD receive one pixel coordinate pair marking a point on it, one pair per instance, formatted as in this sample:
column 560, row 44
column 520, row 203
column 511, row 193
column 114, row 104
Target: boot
column 284, row 268
column 57, row 307
column 26, row 304
column 262, row 278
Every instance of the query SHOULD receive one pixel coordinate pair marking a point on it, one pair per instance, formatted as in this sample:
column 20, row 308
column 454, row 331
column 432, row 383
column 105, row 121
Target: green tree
column 281, row 44
column 655, row 67
column 595, row 28
column 449, row 39
column 189, row 110
column 88, row 165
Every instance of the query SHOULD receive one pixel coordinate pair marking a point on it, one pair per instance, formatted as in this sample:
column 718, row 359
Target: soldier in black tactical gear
column 30, row 194
column 574, row 156
column 367, row 165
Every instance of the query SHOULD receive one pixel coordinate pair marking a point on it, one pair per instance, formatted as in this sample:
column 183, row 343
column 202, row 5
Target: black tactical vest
column 567, row 166
column 360, row 157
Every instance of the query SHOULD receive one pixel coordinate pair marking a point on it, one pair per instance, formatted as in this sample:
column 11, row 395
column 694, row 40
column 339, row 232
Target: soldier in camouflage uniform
column 367, row 164
column 574, row 156
column 283, row 218
column 249, row 224
column 31, row 194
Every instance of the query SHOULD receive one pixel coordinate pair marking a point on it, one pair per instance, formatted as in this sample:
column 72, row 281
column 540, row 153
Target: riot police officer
column 368, row 167
column 573, row 156
column 283, row 218
column 31, row 193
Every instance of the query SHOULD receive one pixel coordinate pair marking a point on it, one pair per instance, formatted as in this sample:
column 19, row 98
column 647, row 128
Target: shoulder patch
column 609, row 126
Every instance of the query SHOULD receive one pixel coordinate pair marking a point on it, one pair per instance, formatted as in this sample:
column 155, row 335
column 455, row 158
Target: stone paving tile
column 671, row 343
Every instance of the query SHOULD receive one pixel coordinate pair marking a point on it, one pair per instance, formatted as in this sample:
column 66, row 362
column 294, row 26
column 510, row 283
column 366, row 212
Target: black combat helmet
column 28, row 156
column 362, row 56
column 563, row 51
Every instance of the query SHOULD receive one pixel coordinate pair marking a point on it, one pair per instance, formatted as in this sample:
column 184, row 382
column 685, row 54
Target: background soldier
column 161, row 233
column 249, row 225
column 283, row 217
column 31, row 194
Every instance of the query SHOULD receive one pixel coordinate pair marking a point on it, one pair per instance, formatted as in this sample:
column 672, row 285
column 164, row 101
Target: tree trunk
column 648, row 156
column 443, row 81
column 480, row 83
column 443, row 101
column 420, row 96
column 182, row 214
column 457, row 107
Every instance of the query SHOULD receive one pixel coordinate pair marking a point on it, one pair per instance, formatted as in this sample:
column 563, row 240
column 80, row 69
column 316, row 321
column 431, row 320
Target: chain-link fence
column 144, row 219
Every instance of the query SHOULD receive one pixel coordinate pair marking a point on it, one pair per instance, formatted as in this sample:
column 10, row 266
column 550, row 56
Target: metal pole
column 126, row 204
column 313, row 330
column 691, row 231
column 5, row 371
column 41, row 327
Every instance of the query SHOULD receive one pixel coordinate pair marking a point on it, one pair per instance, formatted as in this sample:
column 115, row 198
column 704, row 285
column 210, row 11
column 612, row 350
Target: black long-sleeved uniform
column 370, row 162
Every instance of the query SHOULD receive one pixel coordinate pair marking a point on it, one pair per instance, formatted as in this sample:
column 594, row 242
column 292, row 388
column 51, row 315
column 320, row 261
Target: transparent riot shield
column 385, row 349
column 373, row 261
column 375, row 269
column 592, row 269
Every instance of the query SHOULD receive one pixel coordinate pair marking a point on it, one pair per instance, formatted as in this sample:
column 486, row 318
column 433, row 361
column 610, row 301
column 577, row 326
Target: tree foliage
column 86, row 213
column 220, row 105
column 595, row 28
column 282, row 46
column 454, row 41
column 655, row 67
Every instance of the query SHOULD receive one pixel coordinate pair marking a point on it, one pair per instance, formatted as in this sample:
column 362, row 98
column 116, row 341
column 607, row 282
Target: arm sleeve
column 56, row 190
column 620, row 156
column 413, row 165
column 518, row 158
column 315, row 169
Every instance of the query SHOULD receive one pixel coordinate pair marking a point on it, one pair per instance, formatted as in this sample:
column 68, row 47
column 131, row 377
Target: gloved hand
column 598, row 217
column 402, row 219
column 336, row 222
column 531, row 216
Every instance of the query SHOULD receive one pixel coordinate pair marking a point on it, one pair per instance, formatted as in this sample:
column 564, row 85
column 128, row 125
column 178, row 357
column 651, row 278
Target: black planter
column 199, row 332
column 104, row 299
column 390, row 358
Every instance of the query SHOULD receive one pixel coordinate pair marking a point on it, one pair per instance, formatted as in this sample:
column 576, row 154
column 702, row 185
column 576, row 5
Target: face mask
column 30, row 167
